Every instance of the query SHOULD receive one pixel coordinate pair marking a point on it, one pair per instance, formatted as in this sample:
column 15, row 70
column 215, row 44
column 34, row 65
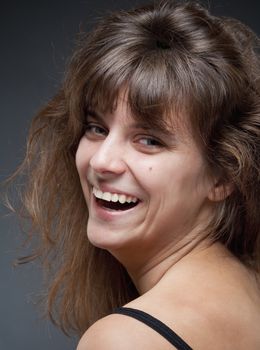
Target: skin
column 165, row 172
column 160, row 241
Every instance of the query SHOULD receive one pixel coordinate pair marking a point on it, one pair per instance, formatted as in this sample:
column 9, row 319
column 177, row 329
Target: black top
column 155, row 324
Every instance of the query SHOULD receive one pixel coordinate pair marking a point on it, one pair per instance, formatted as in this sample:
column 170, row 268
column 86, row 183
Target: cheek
column 144, row 171
column 78, row 160
column 82, row 160
column 152, row 176
column 82, row 156
column 168, row 174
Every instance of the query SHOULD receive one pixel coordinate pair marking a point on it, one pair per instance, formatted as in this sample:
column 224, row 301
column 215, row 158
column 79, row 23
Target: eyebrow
column 136, row 125
column 94, row 114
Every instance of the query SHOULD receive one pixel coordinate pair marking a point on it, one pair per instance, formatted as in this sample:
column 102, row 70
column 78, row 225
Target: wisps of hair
column 173, row 58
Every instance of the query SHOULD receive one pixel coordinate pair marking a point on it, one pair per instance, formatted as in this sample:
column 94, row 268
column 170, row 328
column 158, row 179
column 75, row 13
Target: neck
column 180, row 264
column 146, row 273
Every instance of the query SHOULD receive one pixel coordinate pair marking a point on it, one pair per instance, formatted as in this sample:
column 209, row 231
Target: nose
column 108, row 158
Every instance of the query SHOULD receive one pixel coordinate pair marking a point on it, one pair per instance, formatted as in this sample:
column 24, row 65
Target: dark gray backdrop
column 35, row 40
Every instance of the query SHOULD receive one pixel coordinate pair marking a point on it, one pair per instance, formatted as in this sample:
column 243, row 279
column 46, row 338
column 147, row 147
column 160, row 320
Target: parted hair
column 173, row 56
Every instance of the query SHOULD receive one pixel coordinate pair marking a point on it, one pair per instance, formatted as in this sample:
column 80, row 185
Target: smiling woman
column 143, row 181
column 114, row 160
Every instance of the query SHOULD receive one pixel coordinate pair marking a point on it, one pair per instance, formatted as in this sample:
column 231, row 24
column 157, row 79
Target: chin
column 105, row 239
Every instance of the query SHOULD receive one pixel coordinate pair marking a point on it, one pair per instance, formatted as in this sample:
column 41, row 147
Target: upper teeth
column 113, row 197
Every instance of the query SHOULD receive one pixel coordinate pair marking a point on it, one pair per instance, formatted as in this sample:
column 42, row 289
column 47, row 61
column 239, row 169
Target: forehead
column 154, row 116
column 167, row 125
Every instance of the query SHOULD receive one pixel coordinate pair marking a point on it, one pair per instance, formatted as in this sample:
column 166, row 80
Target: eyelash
column 101, row 132
column 149, row 138
column 90, row 126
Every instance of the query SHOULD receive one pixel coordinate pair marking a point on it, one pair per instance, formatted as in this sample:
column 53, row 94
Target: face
column 144, row 189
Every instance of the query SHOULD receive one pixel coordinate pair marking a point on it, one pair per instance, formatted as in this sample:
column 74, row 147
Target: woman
column 144, row 183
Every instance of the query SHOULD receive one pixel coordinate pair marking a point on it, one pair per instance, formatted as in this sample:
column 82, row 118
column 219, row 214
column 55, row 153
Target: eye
column 94, row 130
column 150, row 142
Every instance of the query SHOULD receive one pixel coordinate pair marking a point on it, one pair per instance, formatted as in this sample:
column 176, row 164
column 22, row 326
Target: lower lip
column 107, row 214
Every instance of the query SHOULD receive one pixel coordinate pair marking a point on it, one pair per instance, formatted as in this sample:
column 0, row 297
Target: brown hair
column 171, row 56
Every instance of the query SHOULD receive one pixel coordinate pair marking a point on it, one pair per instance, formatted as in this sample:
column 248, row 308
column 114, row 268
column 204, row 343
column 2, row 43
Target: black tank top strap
column 155, row 324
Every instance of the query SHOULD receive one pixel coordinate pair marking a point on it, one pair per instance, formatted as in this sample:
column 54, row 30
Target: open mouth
column 116, row 205
column 114, row 201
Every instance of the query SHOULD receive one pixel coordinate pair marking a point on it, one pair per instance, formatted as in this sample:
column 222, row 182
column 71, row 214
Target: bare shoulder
column 213, row 316
column 105, row 333
column 120, row 332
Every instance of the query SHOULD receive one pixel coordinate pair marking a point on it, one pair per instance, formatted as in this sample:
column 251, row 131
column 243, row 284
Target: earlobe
column 220, row 191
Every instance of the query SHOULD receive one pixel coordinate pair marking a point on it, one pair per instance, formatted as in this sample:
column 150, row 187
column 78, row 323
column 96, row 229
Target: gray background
column 36, row 38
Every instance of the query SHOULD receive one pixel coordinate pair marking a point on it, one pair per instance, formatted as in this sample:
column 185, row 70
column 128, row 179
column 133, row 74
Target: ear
column 220, row 191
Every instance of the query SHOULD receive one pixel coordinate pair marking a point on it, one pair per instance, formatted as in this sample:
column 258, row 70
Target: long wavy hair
column 171, row 56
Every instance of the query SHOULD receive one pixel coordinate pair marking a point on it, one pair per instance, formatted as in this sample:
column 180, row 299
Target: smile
column 114, row 201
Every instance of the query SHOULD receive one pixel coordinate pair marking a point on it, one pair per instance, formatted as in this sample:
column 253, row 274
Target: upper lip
column 106, row 188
